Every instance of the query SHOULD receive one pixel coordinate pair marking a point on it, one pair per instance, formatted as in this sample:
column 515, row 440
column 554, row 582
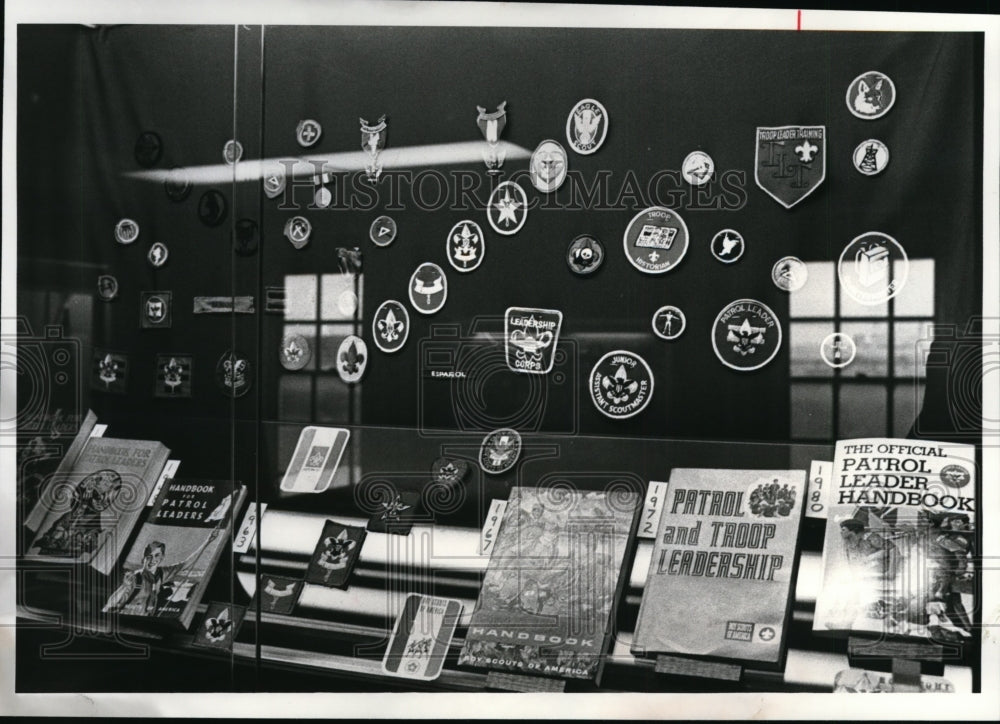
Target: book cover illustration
column 92, row 509
column 720, row 573
column 220, row 625
column 335, row 555
column 421, row 637
column 548, row 597
column 900, row 540
column 176, row 551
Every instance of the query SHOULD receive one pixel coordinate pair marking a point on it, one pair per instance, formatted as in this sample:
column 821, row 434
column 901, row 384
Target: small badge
column 295, row 352
column 335, row 555
column 585, row 255
column 173, row 375
column 232, row 152
column 274, row 300
column 212, row 208
column 698, row 168
column 154, row 309
column 278, row 594
column 656, row 240
column 372, row 143
column 220, row 626
column 530, row 339
column 395, row 512
column 297, row 231
column 548, row 166
column 587, row 126
column 110, row 372
column 448, row 472
column 234, row 374
column 148, row 149
column 347, row 302
column 790, row 161
column 499, row 451
column 873, row 268
column 669, row 322
column 491, row 125
column 157, row 254
column 871, row 157
column 274, row 182
column 352, row 358
column 307, row 133
column 223, row 305
column 428, row 288
column 390, row 326
column 466, row 246
column 871, row 95
column 323, row 197
column 421, row 637
column 107, row 287
column 746, row 335
column 126, row 231
column 315, row 460
column 177, row 184
column 621, row 384
column 728, row 246
column 838, row 350
column 507, row 208
column 246, row 238
column 382, row 231
column 789, row 274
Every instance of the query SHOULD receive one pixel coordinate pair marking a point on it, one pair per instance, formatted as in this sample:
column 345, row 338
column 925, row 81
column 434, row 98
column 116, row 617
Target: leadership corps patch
column 530, row 339
column 335, row 555
column 173, row 375
column 315, row 460
column 746, row 335
column 656, row 240
column 421, row 637
column 621, row 384
column 790, row 161
column 278, row 594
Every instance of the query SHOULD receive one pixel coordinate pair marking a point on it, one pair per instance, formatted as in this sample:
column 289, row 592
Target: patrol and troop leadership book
column 549, row 596
column 720, row 574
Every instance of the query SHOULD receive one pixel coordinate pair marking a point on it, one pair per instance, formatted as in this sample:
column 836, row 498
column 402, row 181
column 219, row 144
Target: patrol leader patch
column 746, row 335
column 790, row 161
column 656, row 240
column 173, row 375
column 530, row 339
column 621, row 384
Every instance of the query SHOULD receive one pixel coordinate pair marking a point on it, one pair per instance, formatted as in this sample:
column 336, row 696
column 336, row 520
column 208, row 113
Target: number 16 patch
column 421, row 638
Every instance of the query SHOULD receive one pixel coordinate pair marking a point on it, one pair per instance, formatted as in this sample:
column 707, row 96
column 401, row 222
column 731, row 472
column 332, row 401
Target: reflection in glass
column 916, row 298
column 812, row 410
column 815, row 299
column 908, row 397
column 300, row 297
column 862, row 410
column 804, row 340
column 912, row 340
column 872, row 342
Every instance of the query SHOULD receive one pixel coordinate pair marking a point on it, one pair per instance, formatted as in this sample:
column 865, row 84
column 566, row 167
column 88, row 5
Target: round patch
column 382, row 231
column 148, row 149
column 466, row 246
column 548, row 166
column 126, row 231
column 297, row 231
column 177, row 184
column 428, row 288
column 390, row 326
column 347, row 302
column 789, row 274
column 107, row 287
column 871, row 157
column 232, row 152
column 234, row 374
column 274, row 182
column 698, row 168
column 585, row 254
column 669, row 322
column 499, row 451
column 621, row 384
column 307, row 133
column 871, row 95
column 873, row 268
column 728, row 246
column 246, row 238
column 212, row 208
column 656, row 240
column 295, row 352
column 352, row 359
column 507, row 208
column 955, row 476
column 838, row 350
column 158, row 254
column 587, row 126
column 323, row 197
column 746, row 335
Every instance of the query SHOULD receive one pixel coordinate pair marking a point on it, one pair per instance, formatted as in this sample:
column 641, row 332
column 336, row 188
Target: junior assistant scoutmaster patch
column 621, row 384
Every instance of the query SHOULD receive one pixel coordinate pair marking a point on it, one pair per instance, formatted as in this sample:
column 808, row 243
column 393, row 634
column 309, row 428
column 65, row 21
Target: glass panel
column 804, row 340
column 916, row 299
column 300, row 297
column 332, row 336
column 815, row 299
column 309, row 332
column 812, row 411
column 912, row 341
column 334, row 400
column 851, row 308
column 872, row 342
column 907, row 401
column 294, row 397
column 340, row 301
column 862, row 411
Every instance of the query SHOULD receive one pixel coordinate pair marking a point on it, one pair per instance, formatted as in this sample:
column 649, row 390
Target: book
column 721, row 570
column 900, row 540
column 90, row 511
column 549, row 595
column 169, row 566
